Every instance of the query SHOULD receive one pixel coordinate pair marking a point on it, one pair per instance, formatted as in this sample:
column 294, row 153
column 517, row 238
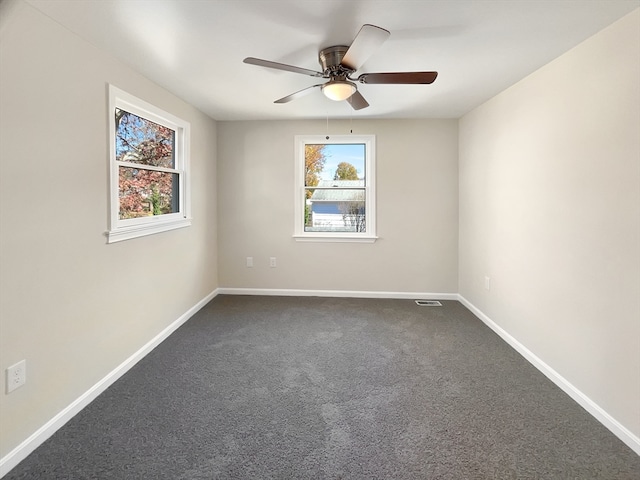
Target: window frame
column 300, row 235
column 125, row 229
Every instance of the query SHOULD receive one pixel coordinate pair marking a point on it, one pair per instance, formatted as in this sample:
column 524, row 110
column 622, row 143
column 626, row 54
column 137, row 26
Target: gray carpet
column 297, row 388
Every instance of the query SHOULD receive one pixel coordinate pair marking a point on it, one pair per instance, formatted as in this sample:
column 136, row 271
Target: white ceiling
column 195, row 48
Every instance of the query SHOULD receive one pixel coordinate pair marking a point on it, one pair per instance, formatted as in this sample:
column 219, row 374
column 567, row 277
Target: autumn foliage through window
column 149, row 157
column 335, row 198
column 147, row 179
column 335, row 189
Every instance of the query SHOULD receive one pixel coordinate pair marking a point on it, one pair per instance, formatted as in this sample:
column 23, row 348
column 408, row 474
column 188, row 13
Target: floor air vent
column 428, row 303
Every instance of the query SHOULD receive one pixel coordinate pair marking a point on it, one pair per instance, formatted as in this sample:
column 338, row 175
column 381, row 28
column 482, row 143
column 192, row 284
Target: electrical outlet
column 249, row 262
column 272, row 262
column 16, row 375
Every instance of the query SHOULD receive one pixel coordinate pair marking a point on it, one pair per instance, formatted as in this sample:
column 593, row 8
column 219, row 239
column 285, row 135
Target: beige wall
column 417, row 195
column 547, row 191
column 550, row 210
column 71, row 305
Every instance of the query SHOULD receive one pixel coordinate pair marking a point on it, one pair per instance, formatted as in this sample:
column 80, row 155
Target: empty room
column 319, row 239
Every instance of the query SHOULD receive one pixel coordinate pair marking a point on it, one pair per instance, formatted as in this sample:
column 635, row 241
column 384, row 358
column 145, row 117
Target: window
column 149, row 155
column 335, row 188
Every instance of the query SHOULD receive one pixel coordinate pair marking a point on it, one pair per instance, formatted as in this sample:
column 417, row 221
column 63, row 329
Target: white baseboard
column 337, row 293
column 21, row 452
column 631, row 440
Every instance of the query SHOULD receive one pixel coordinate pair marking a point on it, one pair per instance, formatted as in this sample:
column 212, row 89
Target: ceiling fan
column 340, row 62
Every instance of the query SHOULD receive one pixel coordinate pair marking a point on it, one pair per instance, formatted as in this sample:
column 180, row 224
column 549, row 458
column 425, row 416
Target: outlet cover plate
column 16, row 375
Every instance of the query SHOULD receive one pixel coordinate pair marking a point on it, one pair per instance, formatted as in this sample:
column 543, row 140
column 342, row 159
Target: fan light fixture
column 338, row 89
column 339, row 62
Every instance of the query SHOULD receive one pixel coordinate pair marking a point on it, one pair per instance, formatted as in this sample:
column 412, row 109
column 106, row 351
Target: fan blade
column 398, row 77
column 281, row 66
column 298, row 94
column 368, row 39
column 357, row 101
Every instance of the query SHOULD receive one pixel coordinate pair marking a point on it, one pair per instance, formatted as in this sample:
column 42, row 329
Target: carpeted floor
column 332, row 388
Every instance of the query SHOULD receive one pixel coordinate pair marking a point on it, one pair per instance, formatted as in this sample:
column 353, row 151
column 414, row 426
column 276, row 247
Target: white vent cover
column 428, row 303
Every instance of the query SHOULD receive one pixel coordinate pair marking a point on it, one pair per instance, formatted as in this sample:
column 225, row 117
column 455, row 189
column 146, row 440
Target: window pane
column 324, row 162
column 142, row 141
column 335, row 209
column 144, row 193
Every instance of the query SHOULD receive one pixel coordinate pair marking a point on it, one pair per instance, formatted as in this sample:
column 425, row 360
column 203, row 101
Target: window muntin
column 335, row 198
column 149, row 168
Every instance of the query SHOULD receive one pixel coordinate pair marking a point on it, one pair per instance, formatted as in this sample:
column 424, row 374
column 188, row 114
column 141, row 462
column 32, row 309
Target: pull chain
column 327, row 125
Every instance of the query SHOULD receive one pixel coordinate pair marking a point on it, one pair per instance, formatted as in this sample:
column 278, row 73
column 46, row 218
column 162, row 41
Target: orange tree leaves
column 144, row 191
column 346, row 171
column 314, row 159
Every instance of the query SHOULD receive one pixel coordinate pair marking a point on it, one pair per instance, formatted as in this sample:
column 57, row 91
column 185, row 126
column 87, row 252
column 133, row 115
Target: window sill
column 135, row 231
column 335, row 238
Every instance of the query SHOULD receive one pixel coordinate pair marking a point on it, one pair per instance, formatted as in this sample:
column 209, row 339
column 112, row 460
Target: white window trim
column 370, row 194
column 125, row 229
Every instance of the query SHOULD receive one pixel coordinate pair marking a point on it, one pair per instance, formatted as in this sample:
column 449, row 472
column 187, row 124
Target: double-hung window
column 335, row 188
column 149, row 156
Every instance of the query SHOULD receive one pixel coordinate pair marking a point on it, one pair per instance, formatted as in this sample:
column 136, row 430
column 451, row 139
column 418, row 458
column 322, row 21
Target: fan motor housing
column 331, row 57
